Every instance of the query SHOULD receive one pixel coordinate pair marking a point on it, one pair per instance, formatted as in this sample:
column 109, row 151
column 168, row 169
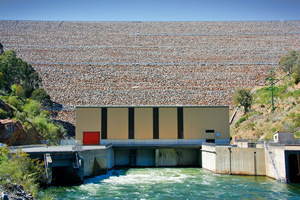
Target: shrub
column 297, row 134
column 3, row 114
column 32, row 108
column 47, row 128
column 288, row 63
column 15, row 102
column 19, row 169
column 41, row 96
column 296, row 78
column 241, row 120
column 13, row 89
column 20, row 92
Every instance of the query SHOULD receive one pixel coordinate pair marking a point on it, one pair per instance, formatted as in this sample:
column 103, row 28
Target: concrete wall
column 246, row 161
column 209, row 158
column 167, row 158
column 145, row 157
column 121, row 157
column 158, row 157
column 104, row 158
column 177, row 157
column 278, row 155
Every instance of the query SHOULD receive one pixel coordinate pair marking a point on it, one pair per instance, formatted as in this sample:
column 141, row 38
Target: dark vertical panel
column 132, row 156
column 155, row 123
column 180, row 122
column 131, row 123
column 104, row 123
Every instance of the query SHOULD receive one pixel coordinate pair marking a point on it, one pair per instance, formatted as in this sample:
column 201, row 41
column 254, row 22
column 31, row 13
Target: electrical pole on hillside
column 272, row 89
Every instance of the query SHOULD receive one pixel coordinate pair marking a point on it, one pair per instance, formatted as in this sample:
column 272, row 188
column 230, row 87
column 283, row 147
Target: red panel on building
column 91, row 138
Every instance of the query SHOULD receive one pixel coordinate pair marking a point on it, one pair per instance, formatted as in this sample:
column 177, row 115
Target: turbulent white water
column 176, row 183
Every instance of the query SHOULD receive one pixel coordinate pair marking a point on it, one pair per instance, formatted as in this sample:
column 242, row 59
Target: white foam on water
column 174, row 183
column 148, row 176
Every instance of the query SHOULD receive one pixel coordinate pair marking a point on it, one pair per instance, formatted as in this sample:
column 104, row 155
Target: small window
column 210, row 140
column 210, row 131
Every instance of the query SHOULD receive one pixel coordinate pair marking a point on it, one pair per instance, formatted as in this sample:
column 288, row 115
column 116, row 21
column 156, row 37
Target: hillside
column 260, row 122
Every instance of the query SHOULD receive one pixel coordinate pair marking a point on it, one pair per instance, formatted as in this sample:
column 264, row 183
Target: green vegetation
column 19, row 169
column 19, row 84
column 17, row 72
column 22, row 99
column 291, row 63
column 241, row 120
column 243, row 97
column 260, row 121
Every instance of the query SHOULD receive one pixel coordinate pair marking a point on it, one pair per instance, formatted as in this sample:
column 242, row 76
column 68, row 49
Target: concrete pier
column 281, row 162
column 229, row 160
column 68, row 165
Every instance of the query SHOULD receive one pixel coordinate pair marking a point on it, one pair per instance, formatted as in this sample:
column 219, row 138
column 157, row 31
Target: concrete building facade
column 153, row 136
column 145, row 124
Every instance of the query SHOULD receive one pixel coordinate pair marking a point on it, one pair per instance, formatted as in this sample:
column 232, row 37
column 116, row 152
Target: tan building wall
column 199, row 119
column 87, row 119
column 143, row 122
column 168, row 123
column 117, row 123
column 196, row 120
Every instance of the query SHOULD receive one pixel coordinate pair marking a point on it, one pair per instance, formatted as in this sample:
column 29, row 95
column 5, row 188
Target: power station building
column 153, row 135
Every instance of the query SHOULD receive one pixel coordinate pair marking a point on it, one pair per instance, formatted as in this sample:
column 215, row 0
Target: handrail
column 271, row 160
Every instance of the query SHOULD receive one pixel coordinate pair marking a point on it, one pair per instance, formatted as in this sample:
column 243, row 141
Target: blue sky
column 150, row 10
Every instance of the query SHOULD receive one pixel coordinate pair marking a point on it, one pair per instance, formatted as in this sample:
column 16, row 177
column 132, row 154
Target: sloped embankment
column 261, row 122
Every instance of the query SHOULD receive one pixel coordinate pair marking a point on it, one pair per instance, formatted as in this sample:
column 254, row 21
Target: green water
column 176, row 183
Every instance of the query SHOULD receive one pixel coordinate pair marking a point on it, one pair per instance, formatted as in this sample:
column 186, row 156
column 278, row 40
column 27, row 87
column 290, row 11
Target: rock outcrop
column 13, row 133
column 16, row 192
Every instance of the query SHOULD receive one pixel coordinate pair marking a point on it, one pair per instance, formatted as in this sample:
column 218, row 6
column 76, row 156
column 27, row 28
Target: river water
column 176, row 183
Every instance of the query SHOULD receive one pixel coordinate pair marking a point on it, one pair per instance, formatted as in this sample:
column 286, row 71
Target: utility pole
column 272, row 89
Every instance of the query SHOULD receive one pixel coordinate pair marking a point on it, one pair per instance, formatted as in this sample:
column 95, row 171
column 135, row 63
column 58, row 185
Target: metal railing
column 272, row 162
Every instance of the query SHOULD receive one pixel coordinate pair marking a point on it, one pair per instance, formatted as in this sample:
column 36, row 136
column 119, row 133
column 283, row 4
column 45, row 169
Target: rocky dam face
column 148, row 63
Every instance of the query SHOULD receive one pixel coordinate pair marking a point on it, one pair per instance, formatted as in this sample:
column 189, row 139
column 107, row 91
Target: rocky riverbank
column 16, row 192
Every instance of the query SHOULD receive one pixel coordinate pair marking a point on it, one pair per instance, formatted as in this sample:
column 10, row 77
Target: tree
column 20, row 92
column 243, row 97
column 2, row 80
column 17, row 71
column 41, row 96
column 288, row 62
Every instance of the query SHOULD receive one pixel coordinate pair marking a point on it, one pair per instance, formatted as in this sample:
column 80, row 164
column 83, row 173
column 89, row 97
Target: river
column 175, row 183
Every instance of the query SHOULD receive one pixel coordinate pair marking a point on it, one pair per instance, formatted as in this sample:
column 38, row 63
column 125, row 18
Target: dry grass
column 261, row 123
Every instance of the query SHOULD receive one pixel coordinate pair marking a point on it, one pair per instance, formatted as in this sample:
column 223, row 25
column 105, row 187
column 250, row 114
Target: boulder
column 13, row 133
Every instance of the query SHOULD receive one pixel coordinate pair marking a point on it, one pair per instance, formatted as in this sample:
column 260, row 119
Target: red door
column 91, row 138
